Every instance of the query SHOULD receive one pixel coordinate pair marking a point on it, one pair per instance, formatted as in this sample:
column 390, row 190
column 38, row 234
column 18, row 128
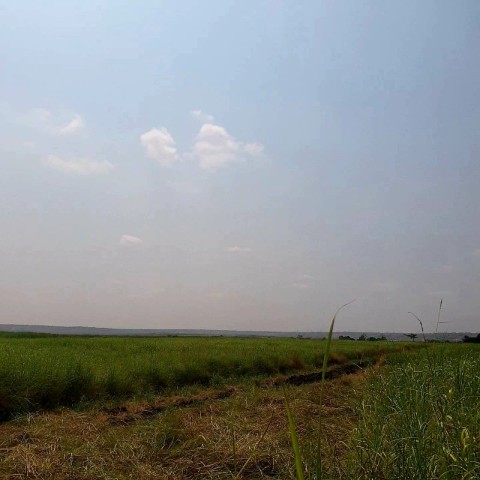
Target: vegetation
column 412, row 415
column 468, row 339
column 38, row 372
column 420, row 419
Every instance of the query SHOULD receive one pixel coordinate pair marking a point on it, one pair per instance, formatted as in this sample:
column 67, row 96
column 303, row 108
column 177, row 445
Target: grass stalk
column 318, row 459
column 293, row 438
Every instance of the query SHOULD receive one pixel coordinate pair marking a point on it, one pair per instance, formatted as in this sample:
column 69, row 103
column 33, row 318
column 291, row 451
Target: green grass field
column 417, row 417
column 154, row 408
column 48, row 371
column 420, row 417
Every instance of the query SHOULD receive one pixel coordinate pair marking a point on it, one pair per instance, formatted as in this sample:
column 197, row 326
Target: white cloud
column 74, row 126
column 160, row 146
column 44, row 121
column 203, row 117
column 81, row 166
column 253, row 149
column 215, row 147
column 130, row 241
column 307, row 276
column 236, row 249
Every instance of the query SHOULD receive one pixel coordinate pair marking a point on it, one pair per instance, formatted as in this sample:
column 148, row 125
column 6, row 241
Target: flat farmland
column 44, row 372
column 216, row 408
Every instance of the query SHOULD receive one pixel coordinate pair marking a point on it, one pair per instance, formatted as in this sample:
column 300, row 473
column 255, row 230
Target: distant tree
column 345, row 337
column 468, row 339
column 413, row 336
column 372, row 339
column 362, row 337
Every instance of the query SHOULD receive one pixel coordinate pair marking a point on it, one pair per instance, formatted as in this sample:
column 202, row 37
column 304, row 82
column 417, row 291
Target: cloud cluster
column 80, row 166
column 214, row 147
column 45, row 122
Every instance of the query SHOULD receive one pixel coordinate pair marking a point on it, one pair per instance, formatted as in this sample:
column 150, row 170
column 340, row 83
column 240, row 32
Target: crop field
column 215, row 408
column 48, row 371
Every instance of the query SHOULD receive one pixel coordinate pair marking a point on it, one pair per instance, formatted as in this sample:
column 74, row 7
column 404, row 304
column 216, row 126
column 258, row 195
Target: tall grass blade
column 318, row 460
column 438, row 317
column 294, row 439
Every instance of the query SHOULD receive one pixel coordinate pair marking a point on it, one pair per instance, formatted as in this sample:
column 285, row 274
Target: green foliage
column 468, row 339
column 420, row 418
column 38, row 371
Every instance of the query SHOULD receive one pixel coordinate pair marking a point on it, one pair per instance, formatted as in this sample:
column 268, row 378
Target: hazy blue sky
column 240, row 164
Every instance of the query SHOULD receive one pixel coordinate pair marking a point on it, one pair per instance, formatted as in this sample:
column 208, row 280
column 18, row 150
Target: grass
column 44, row 372
column 186, row 442
column 415, row 416
column 318, row 467
column 420, row 418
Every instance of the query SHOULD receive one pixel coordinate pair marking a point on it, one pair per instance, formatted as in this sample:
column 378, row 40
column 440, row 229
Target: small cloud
column 160, row 146
column 306, row 276
column 253, row 149
column 215, row 147
column 43, row 120
column 81, row 166
column 75, row 125
column 237, row 249
column 300, row 285
column 203, row 117
column 130, row 241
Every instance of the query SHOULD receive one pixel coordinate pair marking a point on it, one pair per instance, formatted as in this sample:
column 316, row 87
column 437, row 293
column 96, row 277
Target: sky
column 247, row 165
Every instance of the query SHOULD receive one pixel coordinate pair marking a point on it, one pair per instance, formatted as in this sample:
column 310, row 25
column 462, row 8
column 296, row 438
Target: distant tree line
column 468, row 339
column 363, row 338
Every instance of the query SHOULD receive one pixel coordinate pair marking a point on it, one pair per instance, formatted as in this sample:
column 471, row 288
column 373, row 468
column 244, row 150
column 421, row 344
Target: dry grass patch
column 214, row 434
